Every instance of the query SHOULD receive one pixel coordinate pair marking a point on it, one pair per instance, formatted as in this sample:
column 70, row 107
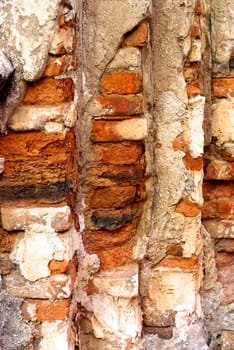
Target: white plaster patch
column 132, row 129
column 173, row 290
column 56, row 336
column 223, row 120
column 122, row 282
column 194, row 126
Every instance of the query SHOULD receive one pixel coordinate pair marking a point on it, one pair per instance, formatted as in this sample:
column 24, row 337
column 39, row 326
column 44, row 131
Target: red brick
column 223, row 87
column 121, row 105
column 191, row 163
column 179, row 144
column 118, row 154
column 138, row 37
column 45, row 311
column 111, row 197
column 221, row 189
column 49, row 91
column 219, row 170
column 187, row 208
column 198, row 8
column 59, row 65
column 103, row 239
column 226, row 275
column 121, row 83
column 171, row 262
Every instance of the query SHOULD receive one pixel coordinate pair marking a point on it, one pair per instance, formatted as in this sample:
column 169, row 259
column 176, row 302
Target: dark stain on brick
column 111, row 222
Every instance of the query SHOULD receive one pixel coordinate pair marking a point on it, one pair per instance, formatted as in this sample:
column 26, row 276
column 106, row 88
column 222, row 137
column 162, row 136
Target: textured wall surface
column 116, row 175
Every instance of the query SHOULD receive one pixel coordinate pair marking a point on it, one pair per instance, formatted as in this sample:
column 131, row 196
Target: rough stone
column 62, row 338
column 223, row 120
column 126, row 58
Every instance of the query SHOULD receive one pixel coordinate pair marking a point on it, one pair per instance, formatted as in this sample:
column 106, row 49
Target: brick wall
column 116, row 217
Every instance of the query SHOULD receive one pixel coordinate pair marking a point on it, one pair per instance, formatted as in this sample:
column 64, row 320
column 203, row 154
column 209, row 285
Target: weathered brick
column 103, row 239
column 64, row 40
column 190, row 264
column 191, row 163
column 159, row 318
column 162, row 332
column 224, row 259
column 193, row 89
column 187, row 208
column 222, row 209
column 45, row 311
column 111, row 197
column 37, row 158
column 223, row 87
column 138, row 37
column 118, row 105
column 49, row 91
column 227, row 338
column 218, row 189
column 108, row 130
column 179, row 144
column 116, row 256
column 196, row 29
column 228, row 294
column 118, row 154
column 6, row 264
column 109, row 175
column 121, row 83
column 226, row 245
column 108, row 219
column 191, row 72
column 226, row 275
column 59, row 65
column 58, row 267
column 7, row 240
column 219, row 228
column 219, row 170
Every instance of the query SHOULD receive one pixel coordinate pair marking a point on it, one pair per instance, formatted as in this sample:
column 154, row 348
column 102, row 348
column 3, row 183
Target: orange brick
column 169, row 261
column 212, row 190
column 7, row 240
column 223, row 87
column 118, row 154
column 196, row 29
column 121, row 105
column 45, row 311
column 138, row 37
column 103, row 239
column 57, row 267
column 111, row 197
column 194, row 164
column 179, row 144
column 193, row 89
column 114, row 257
column 198, row 8
column 223, row 209
column 49, row 91
column 187, row 208
column 59, row 65
column 121, row 83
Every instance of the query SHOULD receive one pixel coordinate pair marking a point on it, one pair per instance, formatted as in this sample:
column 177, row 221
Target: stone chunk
column 38, row 116
column 223, row 120
column 126, row 58
column 61, row 339
column 130, row 129
column 22, row 218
